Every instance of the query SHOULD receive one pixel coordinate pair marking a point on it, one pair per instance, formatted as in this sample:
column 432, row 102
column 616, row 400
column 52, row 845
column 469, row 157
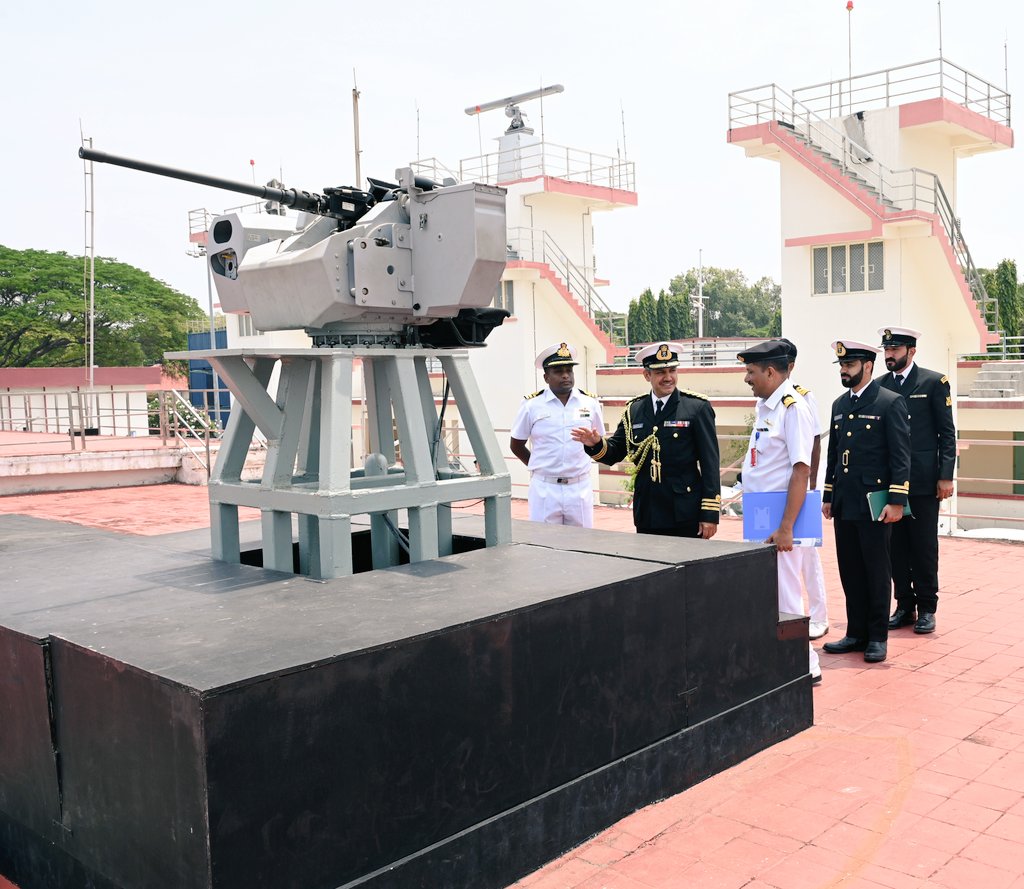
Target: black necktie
column 899, row 380
column 659, row 411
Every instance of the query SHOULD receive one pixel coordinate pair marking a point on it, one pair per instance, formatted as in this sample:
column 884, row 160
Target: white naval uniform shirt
column 782, row 437
column 548, row 423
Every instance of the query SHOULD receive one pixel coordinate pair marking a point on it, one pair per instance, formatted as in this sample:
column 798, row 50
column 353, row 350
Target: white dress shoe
column 817, row 628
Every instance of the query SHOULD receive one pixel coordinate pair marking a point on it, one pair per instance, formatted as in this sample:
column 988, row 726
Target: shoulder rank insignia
column 588, row 394
column 801, row 390
column 692, row 394
column 788, row 400
column 534, row 394
column 944, row 379
column 949, row 401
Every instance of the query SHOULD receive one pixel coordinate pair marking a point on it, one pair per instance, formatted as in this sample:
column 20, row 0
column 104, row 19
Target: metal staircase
column 879, row 190
column 536, row 245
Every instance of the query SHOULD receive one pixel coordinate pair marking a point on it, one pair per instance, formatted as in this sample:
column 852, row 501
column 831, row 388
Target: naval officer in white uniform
column 779, row 459
column 560, row 490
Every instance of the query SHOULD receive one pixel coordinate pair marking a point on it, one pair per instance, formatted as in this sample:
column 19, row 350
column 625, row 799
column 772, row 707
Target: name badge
column 838, row 417
column 868, row 417
column 676, row 424
column 922, row 395
column 638, row 425
column 584, row 413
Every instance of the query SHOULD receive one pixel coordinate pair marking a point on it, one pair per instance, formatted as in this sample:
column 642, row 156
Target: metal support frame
column 308, row 471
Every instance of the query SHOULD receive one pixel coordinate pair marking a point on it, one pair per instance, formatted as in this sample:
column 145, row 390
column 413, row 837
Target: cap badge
column 887, row 334
column 840, row 350
column 664, row 353
column 563, row 351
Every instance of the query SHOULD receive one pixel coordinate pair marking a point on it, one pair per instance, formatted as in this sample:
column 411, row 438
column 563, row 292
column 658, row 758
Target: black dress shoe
column 845, row 645
column 875, row 652
column 925, row 623
column 901, row 617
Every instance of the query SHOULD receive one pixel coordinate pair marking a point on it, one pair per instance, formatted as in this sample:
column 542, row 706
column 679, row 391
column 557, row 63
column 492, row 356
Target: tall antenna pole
column 849, row 45
column 355, row 126
column 940, row 28
column 700, row 296
column 418, row 155
column 90, row 262
column 622, row 114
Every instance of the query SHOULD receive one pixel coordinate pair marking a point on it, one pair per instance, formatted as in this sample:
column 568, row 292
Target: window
column 848, row 268
column 503, row 297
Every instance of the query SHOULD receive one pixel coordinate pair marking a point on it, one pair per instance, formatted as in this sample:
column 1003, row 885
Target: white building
column 871, row 236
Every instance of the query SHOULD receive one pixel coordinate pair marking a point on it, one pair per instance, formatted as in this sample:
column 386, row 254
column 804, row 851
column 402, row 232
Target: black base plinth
column 173, row 721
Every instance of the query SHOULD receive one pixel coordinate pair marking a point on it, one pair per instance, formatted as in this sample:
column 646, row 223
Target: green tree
column 1001, row 283
column 732, row 307
column 680, row 317
column 643, row 318
column 662, row 329
column 44, row 313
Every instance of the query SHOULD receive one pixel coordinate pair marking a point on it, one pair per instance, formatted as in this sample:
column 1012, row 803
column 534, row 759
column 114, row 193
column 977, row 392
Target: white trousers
column 791, row 593
column 814, row 583
column 562, row 504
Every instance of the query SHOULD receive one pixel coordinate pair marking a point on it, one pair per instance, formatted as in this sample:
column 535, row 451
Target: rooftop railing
column 915, row 82
column 538, row 159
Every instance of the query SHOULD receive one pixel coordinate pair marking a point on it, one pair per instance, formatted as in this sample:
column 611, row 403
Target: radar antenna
column 511, row 105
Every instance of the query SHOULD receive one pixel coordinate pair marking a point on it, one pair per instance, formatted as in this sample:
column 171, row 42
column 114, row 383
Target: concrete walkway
column 911, row 777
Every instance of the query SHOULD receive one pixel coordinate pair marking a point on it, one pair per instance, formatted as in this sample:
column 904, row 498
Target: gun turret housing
column 416, row 262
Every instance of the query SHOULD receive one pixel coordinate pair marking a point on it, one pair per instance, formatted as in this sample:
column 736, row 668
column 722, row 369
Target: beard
column 897, row 365
column 853, row 381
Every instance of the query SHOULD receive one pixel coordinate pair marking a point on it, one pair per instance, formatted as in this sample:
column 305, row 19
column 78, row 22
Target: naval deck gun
column 387, row 277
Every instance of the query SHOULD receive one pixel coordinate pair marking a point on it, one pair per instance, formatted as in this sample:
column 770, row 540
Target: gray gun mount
column 410, row 264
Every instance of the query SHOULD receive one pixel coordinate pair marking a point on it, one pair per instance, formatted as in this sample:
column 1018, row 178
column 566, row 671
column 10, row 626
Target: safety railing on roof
column 896, row 190
column 1009, row 348
column 917, row 81
column 82, row 413
column 540, row 158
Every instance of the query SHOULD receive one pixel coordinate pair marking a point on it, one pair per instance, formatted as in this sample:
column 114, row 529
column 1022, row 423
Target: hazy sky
column 208, row 87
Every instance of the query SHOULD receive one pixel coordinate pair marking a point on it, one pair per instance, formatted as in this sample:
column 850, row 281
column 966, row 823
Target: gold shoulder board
column 534, row 394
column 944, row 379
column 588, row 394
column 692, row 394
column 788, row 400
column 801, row 390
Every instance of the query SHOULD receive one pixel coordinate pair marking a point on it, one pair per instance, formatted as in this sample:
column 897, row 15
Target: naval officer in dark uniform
column 868, row 451
column 915, row 544
column 669, row 435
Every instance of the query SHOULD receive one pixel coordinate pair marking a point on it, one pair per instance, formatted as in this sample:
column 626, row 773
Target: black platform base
column 170, row 721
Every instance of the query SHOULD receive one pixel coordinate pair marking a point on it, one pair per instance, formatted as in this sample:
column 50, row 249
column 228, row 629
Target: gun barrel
column 300, row 200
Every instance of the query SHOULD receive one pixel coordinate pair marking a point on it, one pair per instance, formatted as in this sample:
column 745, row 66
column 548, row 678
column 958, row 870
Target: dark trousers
column 684, row 529
column 862, row 550
column 915, row 556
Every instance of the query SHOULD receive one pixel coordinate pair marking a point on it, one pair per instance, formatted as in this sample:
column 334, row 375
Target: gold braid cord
column 638, row 451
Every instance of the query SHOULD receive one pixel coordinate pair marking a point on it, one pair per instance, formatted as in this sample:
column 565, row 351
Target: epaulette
column 588, row 394
column 944, row 379
column 693, row 394
column 788, row 400
column 535, row 394
column 800, row 390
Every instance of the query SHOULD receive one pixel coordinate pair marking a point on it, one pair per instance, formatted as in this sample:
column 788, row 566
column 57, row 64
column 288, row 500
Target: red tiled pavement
column 912, row 775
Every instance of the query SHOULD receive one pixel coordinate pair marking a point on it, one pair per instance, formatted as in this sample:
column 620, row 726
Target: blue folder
column 762, row 515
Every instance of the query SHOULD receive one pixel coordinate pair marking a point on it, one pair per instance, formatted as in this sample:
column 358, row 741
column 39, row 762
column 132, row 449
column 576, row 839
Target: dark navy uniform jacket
column 690, row 487
column 868, row 450
column 932, row 433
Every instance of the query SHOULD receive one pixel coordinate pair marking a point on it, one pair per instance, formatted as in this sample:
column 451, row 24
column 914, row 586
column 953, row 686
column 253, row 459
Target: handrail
column 536, row 245
column 889, row 185
column 184, row 415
